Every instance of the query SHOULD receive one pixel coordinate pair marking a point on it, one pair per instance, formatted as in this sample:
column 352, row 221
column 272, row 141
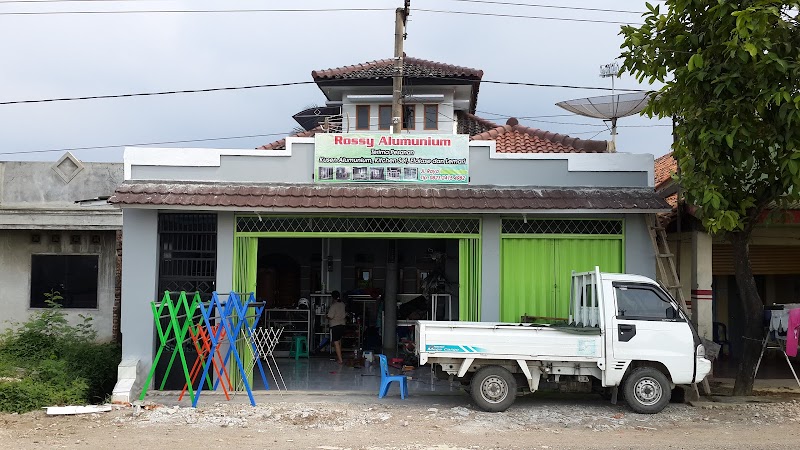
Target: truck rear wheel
column 493, row 388
column 647, row 390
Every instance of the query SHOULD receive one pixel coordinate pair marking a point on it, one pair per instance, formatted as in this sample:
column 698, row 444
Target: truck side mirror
column 672, row 313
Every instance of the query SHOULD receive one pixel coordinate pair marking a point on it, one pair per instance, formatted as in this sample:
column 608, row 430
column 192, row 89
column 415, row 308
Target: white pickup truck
column 623, row 331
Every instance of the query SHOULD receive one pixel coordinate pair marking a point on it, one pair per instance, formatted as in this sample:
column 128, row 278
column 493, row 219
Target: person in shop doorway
column 337, row 315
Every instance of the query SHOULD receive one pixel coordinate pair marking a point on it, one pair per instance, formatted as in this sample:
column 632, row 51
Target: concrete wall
column 140, row 260
column 486, row 166
column 37, row 184
column 15, row 276
column 639, row 253
column 446, row 111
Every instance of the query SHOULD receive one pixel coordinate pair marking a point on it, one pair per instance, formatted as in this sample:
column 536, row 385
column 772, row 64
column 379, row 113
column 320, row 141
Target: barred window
column 562, row 226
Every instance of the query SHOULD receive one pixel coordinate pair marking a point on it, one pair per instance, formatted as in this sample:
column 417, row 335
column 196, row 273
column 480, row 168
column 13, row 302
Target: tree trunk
column 753, row 311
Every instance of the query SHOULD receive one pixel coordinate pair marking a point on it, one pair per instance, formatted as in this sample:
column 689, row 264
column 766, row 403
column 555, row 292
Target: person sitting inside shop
column 337, row 314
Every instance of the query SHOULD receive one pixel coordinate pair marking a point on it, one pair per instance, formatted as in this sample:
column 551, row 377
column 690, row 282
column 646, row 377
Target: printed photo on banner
column 391, row 158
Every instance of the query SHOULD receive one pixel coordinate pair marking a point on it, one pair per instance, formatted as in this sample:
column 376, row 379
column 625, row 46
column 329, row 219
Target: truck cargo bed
column 507, row 340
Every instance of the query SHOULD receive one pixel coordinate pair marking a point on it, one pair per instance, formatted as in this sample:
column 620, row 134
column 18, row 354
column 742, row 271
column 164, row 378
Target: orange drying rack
column 202, row 343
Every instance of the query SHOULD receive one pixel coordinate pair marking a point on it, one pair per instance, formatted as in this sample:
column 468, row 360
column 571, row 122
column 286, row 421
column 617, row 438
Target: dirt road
column 332, row 422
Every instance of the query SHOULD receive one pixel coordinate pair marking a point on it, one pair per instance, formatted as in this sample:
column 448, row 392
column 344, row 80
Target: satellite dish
column 608, row 107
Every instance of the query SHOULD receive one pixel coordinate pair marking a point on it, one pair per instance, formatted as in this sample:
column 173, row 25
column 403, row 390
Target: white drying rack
column 774, row 341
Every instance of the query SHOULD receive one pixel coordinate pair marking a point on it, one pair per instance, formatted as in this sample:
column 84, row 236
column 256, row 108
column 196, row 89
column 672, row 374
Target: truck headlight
column 701, row 351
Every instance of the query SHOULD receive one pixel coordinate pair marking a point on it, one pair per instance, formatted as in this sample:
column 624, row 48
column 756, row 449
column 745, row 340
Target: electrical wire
column 295, row 83
column 533, row 5
column 192, row 11
column 142, row 144
column 145, row 94
column 526, row 117
column 519, row 16
column 565, row 86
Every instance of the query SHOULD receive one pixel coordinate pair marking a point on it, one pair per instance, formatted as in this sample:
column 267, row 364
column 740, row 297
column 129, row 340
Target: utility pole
column 400, row 16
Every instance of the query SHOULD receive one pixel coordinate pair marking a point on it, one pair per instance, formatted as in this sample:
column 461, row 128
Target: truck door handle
column 626, row 332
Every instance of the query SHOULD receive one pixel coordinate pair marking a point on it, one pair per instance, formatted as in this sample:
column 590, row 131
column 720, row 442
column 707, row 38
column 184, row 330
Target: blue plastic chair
column 387, row 379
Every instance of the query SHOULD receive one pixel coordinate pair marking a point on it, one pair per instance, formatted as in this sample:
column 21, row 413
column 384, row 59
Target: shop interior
column 295, row 277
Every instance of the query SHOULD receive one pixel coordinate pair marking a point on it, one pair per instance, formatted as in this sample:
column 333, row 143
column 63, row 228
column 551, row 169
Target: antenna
column 608, row 107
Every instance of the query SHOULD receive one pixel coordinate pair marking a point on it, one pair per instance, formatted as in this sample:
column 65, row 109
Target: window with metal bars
column 562, row 226
column 188, row 252
column 356, row 225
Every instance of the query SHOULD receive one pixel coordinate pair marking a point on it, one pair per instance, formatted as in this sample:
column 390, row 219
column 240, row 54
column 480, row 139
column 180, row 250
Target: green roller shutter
column 527, row 274
column 582, row 255
column 469, row 280
column 536, row 272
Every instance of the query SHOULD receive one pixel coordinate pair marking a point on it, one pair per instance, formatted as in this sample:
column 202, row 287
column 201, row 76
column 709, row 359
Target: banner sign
column 391, row 158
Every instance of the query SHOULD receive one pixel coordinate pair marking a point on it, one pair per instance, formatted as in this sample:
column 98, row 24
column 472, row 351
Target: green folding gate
column 536, row 268
column 245, row 259
column 469, row 280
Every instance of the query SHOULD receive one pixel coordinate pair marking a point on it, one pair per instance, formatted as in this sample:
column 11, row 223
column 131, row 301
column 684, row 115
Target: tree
column 731, row 74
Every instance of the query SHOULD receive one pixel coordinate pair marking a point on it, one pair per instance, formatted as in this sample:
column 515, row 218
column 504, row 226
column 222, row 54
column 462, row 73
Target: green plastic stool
column 299, row 347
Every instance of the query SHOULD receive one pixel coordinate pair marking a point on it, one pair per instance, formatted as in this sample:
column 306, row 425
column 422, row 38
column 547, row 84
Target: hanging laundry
column 793, row 332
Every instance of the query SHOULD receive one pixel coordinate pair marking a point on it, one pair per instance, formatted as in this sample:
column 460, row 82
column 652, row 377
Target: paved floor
column 324, row 374
column 321, row 375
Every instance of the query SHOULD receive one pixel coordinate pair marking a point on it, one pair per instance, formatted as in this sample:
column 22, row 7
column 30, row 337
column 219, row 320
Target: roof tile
column 316, row 197
column 664, row 168
column 515, row 138
column 384, row 68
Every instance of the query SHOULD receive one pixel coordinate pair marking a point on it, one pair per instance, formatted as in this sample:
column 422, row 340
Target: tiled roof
column 471, row 124
column 281, row 144
column 384, row 68
column 349, row 197
column 510, row 138
column 382, row 72
column 665, row 166
column 515, row 138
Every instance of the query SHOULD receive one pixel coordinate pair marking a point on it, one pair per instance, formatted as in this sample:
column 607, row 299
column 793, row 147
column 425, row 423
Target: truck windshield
column 643, row 303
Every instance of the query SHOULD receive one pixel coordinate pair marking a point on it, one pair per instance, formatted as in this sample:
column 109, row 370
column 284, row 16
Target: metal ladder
column 665, row 262
column 668, row 273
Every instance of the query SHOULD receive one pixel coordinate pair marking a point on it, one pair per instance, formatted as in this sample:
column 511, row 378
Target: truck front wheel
column 493, row 388
column 647, row 390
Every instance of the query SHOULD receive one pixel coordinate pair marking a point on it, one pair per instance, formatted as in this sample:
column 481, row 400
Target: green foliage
column 730, row 71
column 46, row 361
column 31, row 393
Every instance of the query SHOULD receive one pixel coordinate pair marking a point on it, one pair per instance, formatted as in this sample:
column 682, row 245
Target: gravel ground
column 334, row 422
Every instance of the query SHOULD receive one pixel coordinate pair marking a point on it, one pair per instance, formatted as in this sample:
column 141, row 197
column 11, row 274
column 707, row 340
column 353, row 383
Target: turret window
column 384, row 117
column 409, row 117
column 362, row 117
column 431, row 117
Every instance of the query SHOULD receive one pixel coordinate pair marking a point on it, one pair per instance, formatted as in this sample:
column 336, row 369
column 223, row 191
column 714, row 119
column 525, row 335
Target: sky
column 50, row 56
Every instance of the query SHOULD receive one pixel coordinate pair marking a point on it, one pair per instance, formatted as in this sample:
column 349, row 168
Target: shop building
column 484, row 221
column 59, row 235
column 706, row 265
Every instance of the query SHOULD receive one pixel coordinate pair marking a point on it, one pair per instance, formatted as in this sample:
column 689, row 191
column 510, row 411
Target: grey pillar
column 390, row 300
column 490, row 269
column 226, row 225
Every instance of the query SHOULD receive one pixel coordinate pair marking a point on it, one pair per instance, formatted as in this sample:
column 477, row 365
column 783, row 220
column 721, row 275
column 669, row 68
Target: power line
column 72, row 1
column 295, row 83
column 526, row 117
column 140, row 144
column 566, row 86
column 528, row 5
column 292, row 10
column 532, row 5
column 192, row 11
column 519, row 16
column 144, row 94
